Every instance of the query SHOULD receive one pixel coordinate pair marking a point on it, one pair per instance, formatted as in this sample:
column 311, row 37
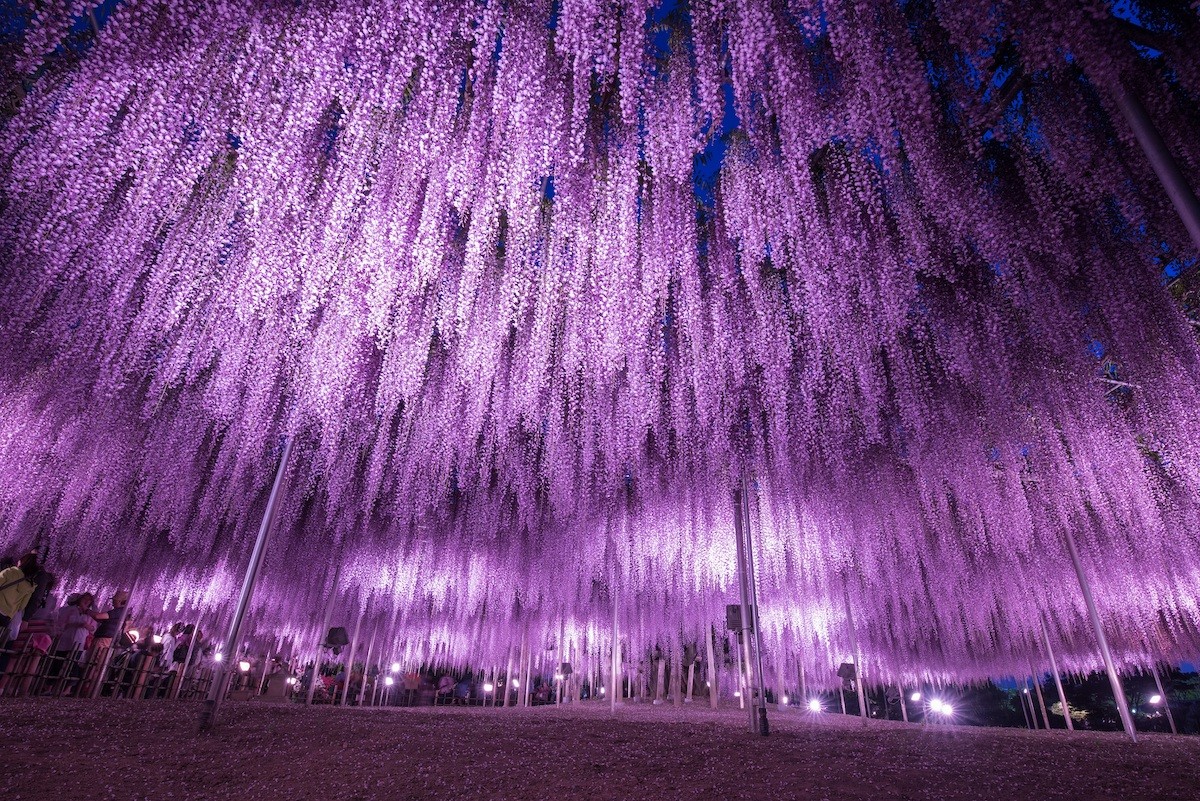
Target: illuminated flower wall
column 531, row 284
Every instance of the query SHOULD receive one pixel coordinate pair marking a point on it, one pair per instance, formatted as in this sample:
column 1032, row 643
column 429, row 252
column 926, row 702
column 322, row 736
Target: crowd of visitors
column 78, row 649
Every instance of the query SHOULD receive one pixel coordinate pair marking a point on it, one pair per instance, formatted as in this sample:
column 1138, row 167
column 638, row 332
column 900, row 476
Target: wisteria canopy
column 530, row 285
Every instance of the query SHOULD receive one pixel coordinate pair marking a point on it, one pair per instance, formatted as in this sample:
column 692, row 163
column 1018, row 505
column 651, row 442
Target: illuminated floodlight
column 1156, row 699
column 218, row 656
column 947, row 710
column 558, row 677
column 133, row 635
column 814, row 705
column 783, row 700
column 244, row 666
column 915, row 697
column 737, row 693
column 602, row 690
column 516, row 684
column 156, row 639
column 1026, row 691
column 487, row 688
column 936, row 705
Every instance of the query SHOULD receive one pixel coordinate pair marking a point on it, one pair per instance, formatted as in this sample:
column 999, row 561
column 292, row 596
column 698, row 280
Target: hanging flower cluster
column 531, row 284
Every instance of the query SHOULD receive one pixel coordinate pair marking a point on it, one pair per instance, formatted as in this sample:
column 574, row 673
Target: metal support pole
column 741, row 674
column 321, row 632
column 262, row 681
column 614, row 680
column 713, row 683
column 187, row 660
column 1037, row 685
column 1161, row 160
column 1037, row 723
column 208, row 715
column 362, row 693
column 1113, row 678
column 1062, row 696
column 903, row 704
column 350, row 657
column 858, row 665
column 523, row 694
column 508, row 675
column 756, row 630
column 1165, row 700
column 1021, row 694
column 744, row 595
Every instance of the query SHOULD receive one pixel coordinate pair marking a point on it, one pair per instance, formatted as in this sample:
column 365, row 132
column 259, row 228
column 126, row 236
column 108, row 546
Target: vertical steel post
column 744, row 597
column 208, row 715
column 614, row 680
column 508, row 675
column 321, row 632
column 187, row 661
column 350, row 657
column 713, row 683
column 1062, row 696
column 1166, row 702
column 1037, row 724
column 1109, row 665
column 362, row 693
column 756, row 630
column 858, row 665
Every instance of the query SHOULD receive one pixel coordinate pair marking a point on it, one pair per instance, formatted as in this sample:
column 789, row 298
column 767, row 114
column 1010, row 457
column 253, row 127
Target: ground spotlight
column 1156, row 699
column 915, row 697
column 395, row 667
column 783, row 699
column 389, row 681
column 218, row 656
column 487, row 688
column 814, row 705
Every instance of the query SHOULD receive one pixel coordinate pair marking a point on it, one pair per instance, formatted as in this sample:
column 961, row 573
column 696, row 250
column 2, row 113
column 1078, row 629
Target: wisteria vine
column 531, row 284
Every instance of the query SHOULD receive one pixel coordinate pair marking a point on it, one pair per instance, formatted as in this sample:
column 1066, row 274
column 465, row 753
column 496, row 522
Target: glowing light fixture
column 814, row 705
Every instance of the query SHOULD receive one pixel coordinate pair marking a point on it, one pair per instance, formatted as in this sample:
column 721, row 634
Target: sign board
column 733, row 617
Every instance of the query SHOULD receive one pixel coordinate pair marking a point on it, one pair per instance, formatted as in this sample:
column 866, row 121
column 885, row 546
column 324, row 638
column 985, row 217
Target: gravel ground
column 79, row 750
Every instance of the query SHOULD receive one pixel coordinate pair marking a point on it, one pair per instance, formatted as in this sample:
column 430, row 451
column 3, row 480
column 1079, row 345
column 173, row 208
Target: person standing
column 76, row 623
column 17, row 585
column 113, row 625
